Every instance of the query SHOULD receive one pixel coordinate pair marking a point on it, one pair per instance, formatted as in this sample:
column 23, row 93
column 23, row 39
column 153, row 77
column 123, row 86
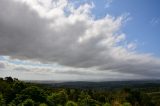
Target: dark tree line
column 18, row 93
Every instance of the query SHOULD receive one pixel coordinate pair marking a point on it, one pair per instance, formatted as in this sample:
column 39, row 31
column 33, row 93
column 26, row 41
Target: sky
column 80, row 40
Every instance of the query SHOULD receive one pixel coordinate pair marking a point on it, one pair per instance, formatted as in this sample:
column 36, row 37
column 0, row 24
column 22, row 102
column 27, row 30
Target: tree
column 134, row 97
column 1, row 79
column 58, row 98
column 73, row 95
column 12, row 104
column 28, row 102
column 43, row 104
column 107, row 104
column 116, row 103
column 71, row 103
column 15, row 79
column 32, row 92
column 9, row 79
column 126, row 104
column 88, row 101
column 2, row 102
column 19, row 86
column 102, row 98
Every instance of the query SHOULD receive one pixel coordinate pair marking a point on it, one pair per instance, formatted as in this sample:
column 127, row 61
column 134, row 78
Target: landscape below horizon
column 14, row 92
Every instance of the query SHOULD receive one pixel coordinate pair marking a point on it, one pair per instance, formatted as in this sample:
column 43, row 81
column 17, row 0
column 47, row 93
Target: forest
column 14, row 92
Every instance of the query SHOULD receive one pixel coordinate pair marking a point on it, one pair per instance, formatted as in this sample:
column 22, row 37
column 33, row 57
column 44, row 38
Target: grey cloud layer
column 2, row 65
column 75, row 40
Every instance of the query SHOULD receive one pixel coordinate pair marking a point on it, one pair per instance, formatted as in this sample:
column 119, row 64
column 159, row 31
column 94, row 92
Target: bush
column 28, row 102
column 58, row 98
column 71, row 103
column 107, row 104
column 126, row 104
column 43, row 104
column 1, row 100
column 35, row 93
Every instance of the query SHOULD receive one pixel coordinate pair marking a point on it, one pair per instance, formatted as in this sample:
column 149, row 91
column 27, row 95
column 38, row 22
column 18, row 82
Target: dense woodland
column 18, row 93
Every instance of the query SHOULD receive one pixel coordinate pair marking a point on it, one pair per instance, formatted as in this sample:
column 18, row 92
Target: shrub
column 126, row 104
column 107, row 104
column 28, row 102
column 71, row 103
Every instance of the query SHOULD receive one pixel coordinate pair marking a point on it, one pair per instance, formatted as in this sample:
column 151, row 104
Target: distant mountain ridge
column 102, row 85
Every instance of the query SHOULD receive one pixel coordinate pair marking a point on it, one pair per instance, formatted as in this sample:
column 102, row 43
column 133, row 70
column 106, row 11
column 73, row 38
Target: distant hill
column 102, row 85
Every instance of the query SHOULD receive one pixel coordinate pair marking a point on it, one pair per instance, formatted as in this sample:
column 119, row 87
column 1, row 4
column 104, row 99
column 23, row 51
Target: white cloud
column 131, row 46
column 108, row 3
column 43, row 32
column 155, row 21
column 2, row 66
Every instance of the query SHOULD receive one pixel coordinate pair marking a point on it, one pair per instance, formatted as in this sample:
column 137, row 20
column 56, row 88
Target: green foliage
column 43, row 104
column 9, row 79
column 2, row 102
column 28, row 102
column 58, row 98
column 134, row 96
column 18, row 86
column 71, row 94
column 71, row 103
column 107, row 104
column 12, row 104
column 126, row 104
column 88, row 102
column 32, row 92
column 35, row 93
column 102, row 98
column 17, row 93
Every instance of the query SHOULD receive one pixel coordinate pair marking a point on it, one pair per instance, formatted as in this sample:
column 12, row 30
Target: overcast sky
column 87, row 40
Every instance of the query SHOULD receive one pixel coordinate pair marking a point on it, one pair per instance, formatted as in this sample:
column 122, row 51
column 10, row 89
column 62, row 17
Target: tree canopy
column 18, row 93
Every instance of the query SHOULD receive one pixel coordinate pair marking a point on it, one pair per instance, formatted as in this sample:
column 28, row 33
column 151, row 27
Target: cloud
column 131, row 46
column 108, row 3
column 155, row 21
column 2, row 66
column 43, row 31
